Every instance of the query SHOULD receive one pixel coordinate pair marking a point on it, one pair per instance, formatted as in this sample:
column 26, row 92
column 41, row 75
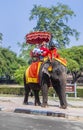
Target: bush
column 51, row 92
column 79, row 92
column 20, row 91
column 14, row 91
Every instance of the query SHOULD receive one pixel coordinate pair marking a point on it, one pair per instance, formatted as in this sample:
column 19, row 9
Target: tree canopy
column 9, row 63
column 74, row 56
column 55, row 20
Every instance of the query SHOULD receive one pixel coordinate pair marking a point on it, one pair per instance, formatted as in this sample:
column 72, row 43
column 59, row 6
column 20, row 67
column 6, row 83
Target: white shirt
column 37, row 50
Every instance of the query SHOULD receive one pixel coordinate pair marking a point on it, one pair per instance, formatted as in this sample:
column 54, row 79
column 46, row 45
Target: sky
column 15, row 23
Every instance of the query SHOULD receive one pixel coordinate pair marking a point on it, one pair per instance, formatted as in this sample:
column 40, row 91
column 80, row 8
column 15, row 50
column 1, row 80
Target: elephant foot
column 44, row 105
column 63, row 107
column 38, row 104
column 25, row 103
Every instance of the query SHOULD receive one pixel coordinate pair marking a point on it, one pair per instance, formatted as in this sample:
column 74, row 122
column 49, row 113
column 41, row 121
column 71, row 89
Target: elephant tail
column 24, row 79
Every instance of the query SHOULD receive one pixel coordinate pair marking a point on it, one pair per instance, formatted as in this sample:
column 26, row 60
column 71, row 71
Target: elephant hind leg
column 37, row 99
column 63, row 106
column 27, row 90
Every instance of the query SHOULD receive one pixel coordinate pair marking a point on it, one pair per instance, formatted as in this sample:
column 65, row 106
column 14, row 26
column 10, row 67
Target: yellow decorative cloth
column 62, row 60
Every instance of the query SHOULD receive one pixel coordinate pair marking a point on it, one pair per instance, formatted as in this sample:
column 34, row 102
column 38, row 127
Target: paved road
column 15, row 121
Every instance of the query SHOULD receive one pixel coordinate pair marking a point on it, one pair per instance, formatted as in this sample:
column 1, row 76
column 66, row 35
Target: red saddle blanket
column 32, row 72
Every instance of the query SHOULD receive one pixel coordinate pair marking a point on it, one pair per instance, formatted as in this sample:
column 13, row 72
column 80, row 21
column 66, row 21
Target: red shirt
column 46, row 51
column 54, row 53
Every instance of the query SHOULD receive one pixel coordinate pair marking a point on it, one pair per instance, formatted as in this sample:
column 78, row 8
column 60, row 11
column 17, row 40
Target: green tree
column 19, row 74
column 9, row 63
column 74, row 58
column 55, row 20
column 25, row 50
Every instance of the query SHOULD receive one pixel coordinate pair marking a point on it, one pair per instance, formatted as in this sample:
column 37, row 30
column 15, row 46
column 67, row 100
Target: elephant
column 51, row 73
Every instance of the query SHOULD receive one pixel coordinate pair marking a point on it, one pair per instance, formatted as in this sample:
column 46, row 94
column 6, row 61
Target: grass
column 68, row 98
column 8, row 95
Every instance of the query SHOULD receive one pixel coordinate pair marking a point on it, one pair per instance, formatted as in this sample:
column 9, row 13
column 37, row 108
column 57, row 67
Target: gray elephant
column 51, row 73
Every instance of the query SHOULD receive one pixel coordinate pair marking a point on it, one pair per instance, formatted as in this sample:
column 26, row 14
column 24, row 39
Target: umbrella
column 38, row 37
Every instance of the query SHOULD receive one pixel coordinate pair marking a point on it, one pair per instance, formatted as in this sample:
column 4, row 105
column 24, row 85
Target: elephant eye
column 57, row 71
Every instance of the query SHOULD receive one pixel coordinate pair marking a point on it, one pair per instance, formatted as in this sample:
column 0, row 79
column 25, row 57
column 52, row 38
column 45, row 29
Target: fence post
column 53, row 95
column 75, row 87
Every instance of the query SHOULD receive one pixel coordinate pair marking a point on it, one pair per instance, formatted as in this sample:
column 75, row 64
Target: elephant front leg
column 44, row 95
column 59, row 87
column 63, row 102
column 62, row 97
